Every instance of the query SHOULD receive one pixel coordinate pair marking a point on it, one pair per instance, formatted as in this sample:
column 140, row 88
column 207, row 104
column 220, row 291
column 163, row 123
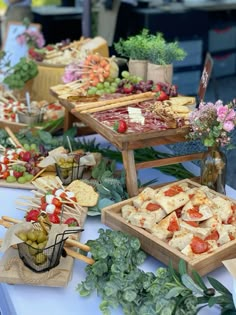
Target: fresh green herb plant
column 153, row 48
column 135, row 47
column 118, row 280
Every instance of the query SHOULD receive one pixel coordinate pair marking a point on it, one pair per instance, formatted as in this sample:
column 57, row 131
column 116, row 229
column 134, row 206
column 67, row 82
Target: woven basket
column 48, row 76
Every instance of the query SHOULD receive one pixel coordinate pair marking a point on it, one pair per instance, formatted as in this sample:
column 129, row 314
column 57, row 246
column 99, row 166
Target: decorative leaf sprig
column 118, row 281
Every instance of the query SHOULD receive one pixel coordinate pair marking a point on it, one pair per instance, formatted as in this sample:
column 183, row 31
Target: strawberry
column 32, row 215
column 157, row 87
column 128, row 88
column 120, row 126
column 71, row 222
column 162, row 96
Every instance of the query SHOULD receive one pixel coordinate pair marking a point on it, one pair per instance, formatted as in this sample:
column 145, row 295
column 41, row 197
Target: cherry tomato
column 233, row 207
column 57, row 210
column 44, row 206
column 5, row 174
column 213, row 236
column 56, row 202
column 173, row 190
column 173, row 225
column 152, row 206
column 199, row 245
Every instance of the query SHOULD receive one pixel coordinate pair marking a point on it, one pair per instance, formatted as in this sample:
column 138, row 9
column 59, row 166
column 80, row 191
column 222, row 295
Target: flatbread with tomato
column 166, row 227
column 154, row 208
column 191, row 212
column 171, row 197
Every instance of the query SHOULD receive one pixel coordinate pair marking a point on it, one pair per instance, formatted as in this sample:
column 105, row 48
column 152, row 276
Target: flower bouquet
column 213, row 123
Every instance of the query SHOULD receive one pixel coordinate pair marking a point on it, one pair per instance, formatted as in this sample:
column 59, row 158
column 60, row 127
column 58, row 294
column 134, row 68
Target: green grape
column 125, row 74
column 106, row 84
column 99, row 86
column 11, row 179
column 100, row 92
column 113, row 89
column 117, row 80
column 21, row 180
column 90, row 92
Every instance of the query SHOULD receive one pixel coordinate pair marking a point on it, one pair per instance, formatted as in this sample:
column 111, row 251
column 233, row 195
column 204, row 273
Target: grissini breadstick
column 134, row 97
column 115, row 105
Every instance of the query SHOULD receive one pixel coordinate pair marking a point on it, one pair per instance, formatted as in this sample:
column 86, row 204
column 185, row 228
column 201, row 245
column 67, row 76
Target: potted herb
column 161, row 56
column 136, row 49
column 154, row 52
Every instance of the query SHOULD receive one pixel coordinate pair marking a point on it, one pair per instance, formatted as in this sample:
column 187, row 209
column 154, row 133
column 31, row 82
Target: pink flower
column 228, row 126
column 222, row 112
column 21, row 40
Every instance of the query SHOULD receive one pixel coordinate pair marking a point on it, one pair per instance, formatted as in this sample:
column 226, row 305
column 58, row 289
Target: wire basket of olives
column 68, row 168
column 35, row 253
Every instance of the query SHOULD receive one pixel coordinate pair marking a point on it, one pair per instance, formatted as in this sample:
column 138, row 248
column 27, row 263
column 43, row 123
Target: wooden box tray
column 205, row 263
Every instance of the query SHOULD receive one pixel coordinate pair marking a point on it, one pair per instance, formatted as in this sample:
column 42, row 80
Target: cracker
column 85, row 194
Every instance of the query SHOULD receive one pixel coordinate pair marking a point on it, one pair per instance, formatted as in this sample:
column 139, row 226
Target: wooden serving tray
column 205, row 263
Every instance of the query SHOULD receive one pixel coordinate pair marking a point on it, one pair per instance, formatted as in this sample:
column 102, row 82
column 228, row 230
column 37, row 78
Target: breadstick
column 115, row 105
column 133, row 97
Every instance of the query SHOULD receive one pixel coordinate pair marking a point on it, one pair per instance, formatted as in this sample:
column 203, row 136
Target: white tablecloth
column 28, row 300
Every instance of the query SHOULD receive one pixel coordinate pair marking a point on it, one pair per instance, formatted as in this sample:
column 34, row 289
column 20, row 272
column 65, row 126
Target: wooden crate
column 205, row 263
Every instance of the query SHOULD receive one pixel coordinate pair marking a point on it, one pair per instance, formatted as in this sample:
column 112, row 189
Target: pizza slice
column 154, row 208
column 142, row 219
column 195, row 230
column 171, row 197
column 147, row 194
column 223, row 208
column 199, row 246
column 166, row 227
column 127, row 210
column 196, row 212
column 181, row 239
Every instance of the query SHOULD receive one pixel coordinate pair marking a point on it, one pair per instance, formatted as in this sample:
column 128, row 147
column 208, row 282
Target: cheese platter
column 169, row 234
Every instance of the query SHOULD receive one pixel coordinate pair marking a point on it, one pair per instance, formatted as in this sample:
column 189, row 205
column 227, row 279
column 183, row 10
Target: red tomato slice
column 152, row 206
column 214, row 236
column 173, row 190
column 231, row 237
column 199, row 245
column 173, row 225
column 192, row 223
column 194, row 212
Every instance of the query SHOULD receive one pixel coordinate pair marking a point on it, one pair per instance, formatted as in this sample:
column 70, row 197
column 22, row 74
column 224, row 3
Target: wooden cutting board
column 19, row 274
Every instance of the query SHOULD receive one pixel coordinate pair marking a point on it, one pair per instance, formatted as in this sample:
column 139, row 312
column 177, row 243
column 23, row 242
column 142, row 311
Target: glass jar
column 213, row 169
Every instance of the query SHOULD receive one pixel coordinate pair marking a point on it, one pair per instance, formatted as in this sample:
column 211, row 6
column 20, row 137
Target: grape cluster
column 36, row 54
column 104, row 87
column 22, row 72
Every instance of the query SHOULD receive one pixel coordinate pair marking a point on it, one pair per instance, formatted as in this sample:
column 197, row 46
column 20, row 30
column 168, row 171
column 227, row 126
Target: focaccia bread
column 171, row 198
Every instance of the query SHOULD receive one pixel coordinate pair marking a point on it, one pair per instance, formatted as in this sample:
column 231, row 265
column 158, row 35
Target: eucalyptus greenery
column 153, row 48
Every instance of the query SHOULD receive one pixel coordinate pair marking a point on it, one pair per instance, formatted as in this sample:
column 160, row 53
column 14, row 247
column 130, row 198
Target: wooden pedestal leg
column 69, row 119
column 131, row 175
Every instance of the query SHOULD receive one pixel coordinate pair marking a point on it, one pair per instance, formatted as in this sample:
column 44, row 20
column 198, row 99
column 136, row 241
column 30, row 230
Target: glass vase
column 213, row 169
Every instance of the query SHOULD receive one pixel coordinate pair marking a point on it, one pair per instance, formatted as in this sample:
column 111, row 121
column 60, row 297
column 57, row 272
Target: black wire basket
column 42, row 260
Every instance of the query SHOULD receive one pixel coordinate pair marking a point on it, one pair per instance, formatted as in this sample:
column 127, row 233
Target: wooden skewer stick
column 38, row 174
column 36, row 192
column 21, row 209
column 30, row 204
column 13, row 137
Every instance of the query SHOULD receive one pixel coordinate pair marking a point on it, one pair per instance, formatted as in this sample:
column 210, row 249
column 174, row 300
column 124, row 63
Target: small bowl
column 30, row 118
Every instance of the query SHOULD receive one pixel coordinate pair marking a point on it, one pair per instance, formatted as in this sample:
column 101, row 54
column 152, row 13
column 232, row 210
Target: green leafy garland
column 116, row 278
